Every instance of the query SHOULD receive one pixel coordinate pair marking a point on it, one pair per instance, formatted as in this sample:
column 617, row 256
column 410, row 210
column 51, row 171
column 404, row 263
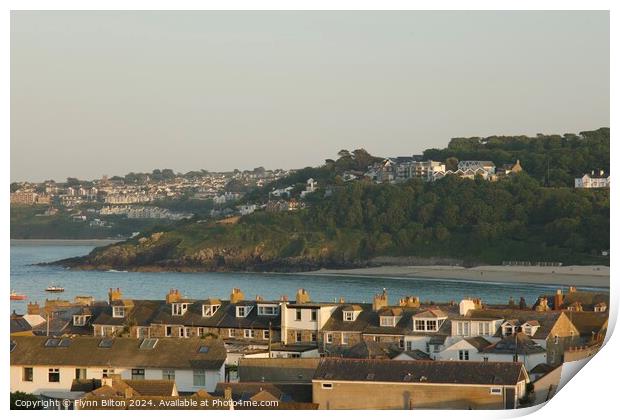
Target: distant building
column 593, row 180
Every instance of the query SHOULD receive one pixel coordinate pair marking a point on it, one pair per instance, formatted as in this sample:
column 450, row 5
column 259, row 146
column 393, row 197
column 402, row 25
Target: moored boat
column 17, row 296
column 54, row 289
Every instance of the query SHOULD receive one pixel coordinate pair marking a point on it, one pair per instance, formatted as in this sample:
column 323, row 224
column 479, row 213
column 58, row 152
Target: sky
column 107, row 93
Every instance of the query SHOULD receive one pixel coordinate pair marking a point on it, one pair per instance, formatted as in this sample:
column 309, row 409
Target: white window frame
column 387, row 321
column 329, row 338
column 327, row 385
column 464, row 355
column 231, row 332
column 179, row 308
column 344, row 339
column 166, row 330
column 184, row 332
column 201, row 375
column 168, row 374
column 298, row 337
column 248, row 333
column 268, row 310
column 118, row 312
column 209, row 310
column 53, row 371
column 348, row 316
column 298, row 315
column 266, row 334
column 496, row 390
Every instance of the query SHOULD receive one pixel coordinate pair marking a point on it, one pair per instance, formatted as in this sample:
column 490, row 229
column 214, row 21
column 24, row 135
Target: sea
column 31, row 279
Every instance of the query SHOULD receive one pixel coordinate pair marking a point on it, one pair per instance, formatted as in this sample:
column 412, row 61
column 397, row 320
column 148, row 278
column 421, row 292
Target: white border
column 592, row 394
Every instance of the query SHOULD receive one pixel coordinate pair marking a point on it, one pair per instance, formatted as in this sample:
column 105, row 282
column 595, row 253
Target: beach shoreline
column 580, row 276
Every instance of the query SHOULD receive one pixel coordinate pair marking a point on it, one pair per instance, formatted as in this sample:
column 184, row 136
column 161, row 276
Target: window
column 420, row 325
column 515, row 357
column 80, row 373
column 248, row 333
column 401, row 343
column 496, row 391
column 431, row 325
column 142, row 332
column 137, row 374
column 327, row 385
column 485, row 359
column 199, row 377
column 200, row 331
column 298, row 315
column 184, row 332
column 27, row 374
column 387, row 321
column 231, row 332
column 209, row 310
column 347, row 315
column 118, row 311
column 313, row 315
column 329, row 338
column 179, row 308
column 53, row 375
column 107, row 373
column 556, row 339
column 243, row 311
column 409, row 345
column 483, row 328
column 463, row 354
column 168, row 331
column 167, row 374
column 344, row 338
column 79, row 320
column 266, row 335
column 313, row 337
column 267, row 310
column 298, row 337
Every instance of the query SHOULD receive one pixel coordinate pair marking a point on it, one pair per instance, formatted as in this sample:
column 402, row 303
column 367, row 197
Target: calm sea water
column 32, row 280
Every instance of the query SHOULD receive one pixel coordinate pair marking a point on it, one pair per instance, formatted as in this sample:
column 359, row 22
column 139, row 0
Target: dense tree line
column 552, row 160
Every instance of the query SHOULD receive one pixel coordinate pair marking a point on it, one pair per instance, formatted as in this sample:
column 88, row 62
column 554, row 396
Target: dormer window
column 209, row 310
column 430, row 321
column 118, row 312
column 179, row 309
column 387, row 321
column 348, row 315
column 80, row 320
column 268, row 310
column 243, row 311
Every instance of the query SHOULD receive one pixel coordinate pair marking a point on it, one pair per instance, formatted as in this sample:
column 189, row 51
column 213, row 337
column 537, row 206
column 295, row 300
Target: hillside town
column 138, row 197
column 253, row 353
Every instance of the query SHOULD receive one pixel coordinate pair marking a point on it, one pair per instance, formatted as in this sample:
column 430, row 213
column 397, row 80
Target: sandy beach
column 68, row 242
column 584, row 276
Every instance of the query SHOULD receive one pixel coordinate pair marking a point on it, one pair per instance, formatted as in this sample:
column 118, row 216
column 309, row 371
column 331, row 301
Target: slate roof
column 515, row 344
column 416, row 371
column 371, row 350
column 282, row 392
column 288, row 370
column 19, row 324
column 478, row 342
column 587, row 322
column 124, row 352
column 546, row 319
column 141, row 313
column 337, row 323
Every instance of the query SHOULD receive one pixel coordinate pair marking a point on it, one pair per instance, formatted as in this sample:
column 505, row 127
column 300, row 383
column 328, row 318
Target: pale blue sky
column 96, row 93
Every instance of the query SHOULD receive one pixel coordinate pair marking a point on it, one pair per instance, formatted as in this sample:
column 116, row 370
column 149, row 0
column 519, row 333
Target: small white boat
column 54, row 289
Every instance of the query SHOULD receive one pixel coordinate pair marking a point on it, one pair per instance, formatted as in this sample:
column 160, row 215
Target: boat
column 54, row 289
column 17, row 296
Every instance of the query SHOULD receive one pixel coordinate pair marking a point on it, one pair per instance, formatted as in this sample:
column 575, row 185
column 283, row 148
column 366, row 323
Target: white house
column 593, row 180
column 43, row 364
column 518, row 347
column 302, row 320
column 464, row 349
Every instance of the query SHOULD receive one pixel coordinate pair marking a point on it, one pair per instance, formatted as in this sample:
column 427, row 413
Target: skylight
column 13, row 344
column 106, row 343
column 52, row 342
column 148, row 343
column 203, row 349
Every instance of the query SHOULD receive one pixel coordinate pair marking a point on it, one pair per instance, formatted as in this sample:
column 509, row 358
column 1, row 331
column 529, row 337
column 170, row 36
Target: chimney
column 259, row 298
column 114, row 295
column 558, row 299
column 542, row 304
column 284, row 298
column 477, row 303
column 410, row 302
column 302, row 296
column 511, row 302
column 341, row 300
column 228, row 393
column 522, row 303
column 173, row 296
column 572, row 289
column 602, row 172
column 33, row 309
column 380, row 301
column 236, row 295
